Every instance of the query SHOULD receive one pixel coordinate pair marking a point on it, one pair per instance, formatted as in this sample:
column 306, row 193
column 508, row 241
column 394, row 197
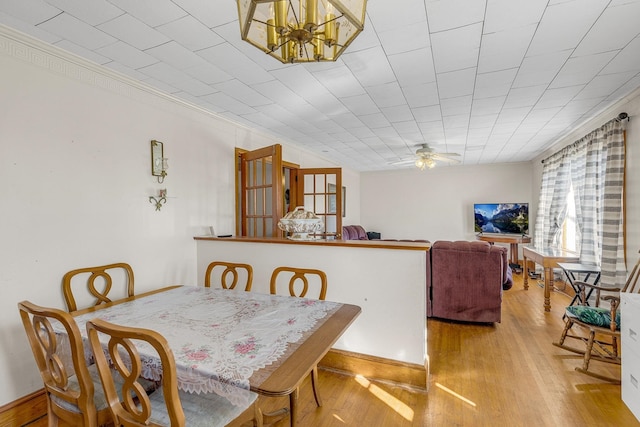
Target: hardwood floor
column 482, row 375
column 505, row 374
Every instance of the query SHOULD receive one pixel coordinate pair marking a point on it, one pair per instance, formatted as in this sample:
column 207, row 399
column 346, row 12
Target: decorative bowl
column 300, row 223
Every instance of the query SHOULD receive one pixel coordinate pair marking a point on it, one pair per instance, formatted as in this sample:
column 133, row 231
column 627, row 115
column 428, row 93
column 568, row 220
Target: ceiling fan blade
column 446, row 157
column 403, row 162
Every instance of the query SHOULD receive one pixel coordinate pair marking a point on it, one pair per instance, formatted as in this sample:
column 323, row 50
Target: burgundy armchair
column 467, row 280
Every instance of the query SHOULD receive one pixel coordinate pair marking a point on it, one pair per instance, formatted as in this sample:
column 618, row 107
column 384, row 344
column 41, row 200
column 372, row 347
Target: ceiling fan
column 426, row 157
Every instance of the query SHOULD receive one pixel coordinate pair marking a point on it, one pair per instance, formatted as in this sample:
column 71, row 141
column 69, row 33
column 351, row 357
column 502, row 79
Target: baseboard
column 32, row 407
column 25, row 410
column 376, row 368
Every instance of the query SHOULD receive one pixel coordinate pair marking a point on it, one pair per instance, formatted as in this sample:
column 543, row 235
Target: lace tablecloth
column 217, row 335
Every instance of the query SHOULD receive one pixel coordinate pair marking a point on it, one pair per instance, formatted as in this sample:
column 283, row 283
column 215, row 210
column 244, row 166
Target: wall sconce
column 159, row 163
column 160, row 200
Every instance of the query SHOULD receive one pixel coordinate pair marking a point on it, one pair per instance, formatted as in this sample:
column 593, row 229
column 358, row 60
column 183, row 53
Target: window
column 569, row 236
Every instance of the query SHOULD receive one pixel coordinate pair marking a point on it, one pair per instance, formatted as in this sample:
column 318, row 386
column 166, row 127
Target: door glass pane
column 268, row 163
column 251, row 173
column 331, row 183
column 320, row 204
column 251, row 200
column 308, row 184
column 259, row 210
column 268, row 194
column 308, row 202
column 331, row 203
column 257, row 172
column 320, row 183
column 330, row 224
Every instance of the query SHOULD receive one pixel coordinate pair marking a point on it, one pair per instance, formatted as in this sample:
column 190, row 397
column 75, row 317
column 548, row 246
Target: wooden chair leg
column 567, row 326
column 315, row 385
column 589, row 350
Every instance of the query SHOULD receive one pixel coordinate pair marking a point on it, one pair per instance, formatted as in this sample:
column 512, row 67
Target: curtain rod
column 621, row 117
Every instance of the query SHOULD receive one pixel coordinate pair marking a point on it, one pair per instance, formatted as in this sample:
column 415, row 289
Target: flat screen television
column 504, row 218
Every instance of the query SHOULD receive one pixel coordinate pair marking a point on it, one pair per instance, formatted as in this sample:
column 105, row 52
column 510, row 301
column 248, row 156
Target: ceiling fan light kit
column 428, row 162
column 426, row 157
column 301, row 30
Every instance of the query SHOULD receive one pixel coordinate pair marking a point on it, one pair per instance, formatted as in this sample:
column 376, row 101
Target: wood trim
column 377, row 368
column 24, row 410
column 380, row 244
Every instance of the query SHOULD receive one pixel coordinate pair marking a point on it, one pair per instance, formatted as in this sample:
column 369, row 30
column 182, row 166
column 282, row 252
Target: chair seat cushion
column 596, row 316
column 98, row 392
column 202, row 410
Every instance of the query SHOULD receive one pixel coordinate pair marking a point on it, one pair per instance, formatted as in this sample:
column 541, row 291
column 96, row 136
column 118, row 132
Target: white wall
column 75, row 182
column 437, row 204
column 392, row 323
column 631, row 106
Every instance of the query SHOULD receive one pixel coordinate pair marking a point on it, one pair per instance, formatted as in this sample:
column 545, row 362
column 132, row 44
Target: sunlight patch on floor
column 397, row 405
column 454, row 394
column 337, row 417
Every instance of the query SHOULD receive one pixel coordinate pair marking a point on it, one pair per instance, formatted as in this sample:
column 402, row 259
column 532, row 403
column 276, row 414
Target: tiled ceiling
column 493, row 80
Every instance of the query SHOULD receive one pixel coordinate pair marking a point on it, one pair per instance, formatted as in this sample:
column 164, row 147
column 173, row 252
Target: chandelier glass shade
column 423, row 162
column 301, row 30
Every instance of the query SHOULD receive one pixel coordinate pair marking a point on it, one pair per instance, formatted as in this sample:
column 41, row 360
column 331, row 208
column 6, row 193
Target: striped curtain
column 552, row 207
column 594, row 166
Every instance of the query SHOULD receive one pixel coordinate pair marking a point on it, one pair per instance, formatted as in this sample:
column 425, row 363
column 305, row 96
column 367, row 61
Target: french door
column 268, row 188
column 261, row 191
column 319, row 190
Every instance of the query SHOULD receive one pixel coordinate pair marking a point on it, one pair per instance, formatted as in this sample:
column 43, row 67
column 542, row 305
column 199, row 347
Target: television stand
column 513, row 240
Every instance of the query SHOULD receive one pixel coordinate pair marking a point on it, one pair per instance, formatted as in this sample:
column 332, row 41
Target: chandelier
column 301, row 30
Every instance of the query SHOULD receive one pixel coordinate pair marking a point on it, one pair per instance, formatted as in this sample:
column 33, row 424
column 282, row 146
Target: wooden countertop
column 384, row 244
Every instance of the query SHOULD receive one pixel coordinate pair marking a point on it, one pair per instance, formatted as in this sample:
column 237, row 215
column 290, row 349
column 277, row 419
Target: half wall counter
column 387, row 279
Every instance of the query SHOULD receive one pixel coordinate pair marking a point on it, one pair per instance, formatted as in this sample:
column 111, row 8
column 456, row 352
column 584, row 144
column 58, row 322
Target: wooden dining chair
column 167, row 406
column 601, row 325
column 74, row 392
column 102, row 273
column 230, row 268
column 297, row 276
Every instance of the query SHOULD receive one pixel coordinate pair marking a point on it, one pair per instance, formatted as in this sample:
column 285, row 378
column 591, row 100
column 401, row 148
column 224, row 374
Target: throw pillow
column 596, row 316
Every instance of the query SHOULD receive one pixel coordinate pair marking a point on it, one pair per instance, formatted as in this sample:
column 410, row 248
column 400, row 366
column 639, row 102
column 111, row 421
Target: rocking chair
column 601, row 324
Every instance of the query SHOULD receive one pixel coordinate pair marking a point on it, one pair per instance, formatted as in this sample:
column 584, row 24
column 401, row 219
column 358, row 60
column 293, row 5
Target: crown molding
column 23, row 47
column 50, row 57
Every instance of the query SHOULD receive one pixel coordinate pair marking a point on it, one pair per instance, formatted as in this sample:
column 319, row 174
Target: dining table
column 548, row 258
column 225, row 339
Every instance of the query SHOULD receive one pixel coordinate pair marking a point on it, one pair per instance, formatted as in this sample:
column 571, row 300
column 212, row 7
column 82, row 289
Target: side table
column 571, row 269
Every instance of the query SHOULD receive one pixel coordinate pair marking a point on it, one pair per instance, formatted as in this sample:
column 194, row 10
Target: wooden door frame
column 238, row 152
